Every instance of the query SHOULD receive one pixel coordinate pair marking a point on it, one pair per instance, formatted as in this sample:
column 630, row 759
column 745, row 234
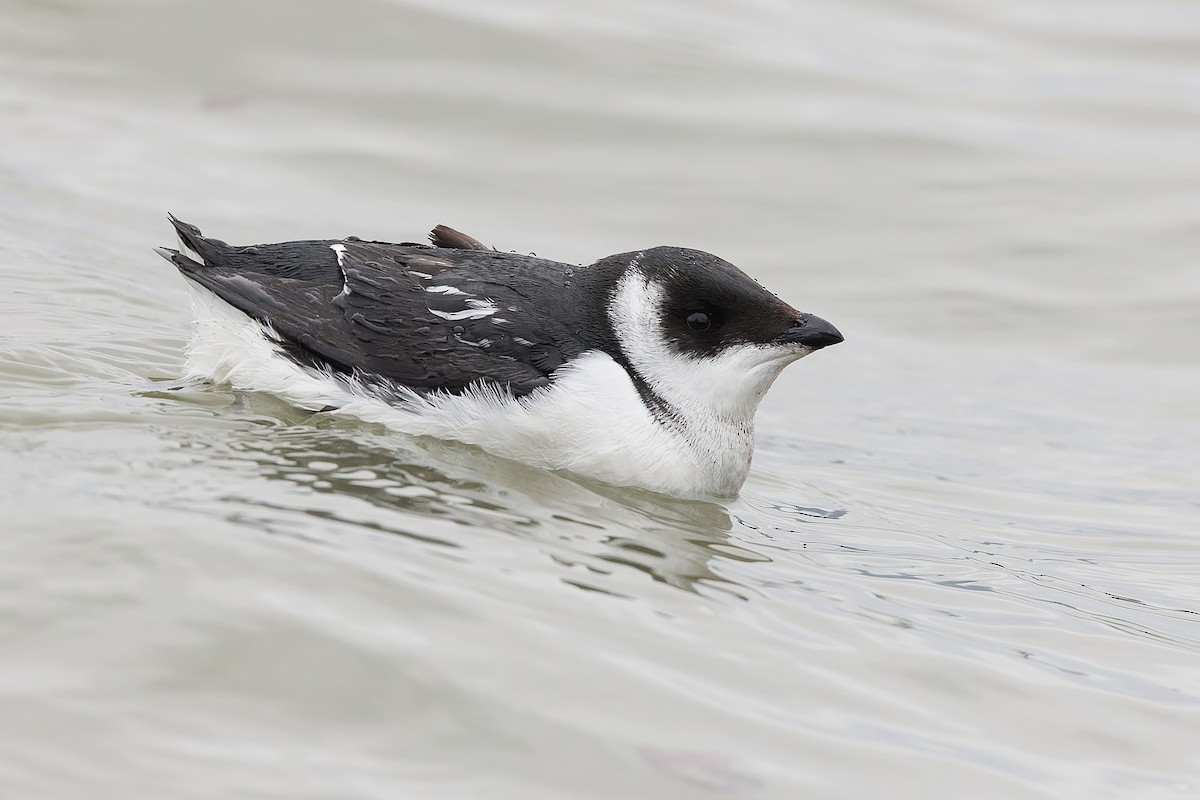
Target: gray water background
column 966, row 564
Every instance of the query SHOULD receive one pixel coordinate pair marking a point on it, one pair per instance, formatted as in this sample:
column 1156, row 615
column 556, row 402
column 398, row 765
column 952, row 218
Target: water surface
column 965, row 562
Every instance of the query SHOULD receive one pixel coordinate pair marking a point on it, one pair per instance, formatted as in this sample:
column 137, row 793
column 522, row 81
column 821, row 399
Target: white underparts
column 228, row 347
column 591, row 420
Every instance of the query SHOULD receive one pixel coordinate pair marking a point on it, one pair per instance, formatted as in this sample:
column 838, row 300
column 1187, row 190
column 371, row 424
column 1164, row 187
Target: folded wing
column 428, row 318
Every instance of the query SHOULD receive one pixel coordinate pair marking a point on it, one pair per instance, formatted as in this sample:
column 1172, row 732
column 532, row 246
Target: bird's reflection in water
column 579, row 524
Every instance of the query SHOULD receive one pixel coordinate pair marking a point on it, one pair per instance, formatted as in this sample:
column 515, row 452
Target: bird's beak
column 810, row 331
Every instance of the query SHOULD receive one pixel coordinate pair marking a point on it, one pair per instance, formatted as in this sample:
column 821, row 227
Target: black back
column 386, row 324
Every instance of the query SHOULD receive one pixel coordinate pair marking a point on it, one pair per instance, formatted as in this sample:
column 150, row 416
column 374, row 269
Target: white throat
column 714, row 397
column 726, row 386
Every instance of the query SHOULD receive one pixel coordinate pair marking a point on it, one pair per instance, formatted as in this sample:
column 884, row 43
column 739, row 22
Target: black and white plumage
column 644, row 368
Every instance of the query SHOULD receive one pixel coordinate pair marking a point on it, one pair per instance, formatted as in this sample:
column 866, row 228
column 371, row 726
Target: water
column 965, row 564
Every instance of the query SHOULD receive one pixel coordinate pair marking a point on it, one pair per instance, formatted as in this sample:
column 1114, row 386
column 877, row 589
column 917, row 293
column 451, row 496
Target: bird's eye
column 699, row 321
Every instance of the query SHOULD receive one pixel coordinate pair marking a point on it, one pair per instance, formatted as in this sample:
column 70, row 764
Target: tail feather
column 182, row 261
column 169, row 254
column 193, row 243
column 189, row 258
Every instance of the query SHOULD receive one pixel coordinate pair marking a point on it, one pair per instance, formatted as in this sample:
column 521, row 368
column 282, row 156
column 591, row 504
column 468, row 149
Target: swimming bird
column 643, row 369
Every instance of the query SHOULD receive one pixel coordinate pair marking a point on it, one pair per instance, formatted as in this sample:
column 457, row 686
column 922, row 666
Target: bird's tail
column 195, row 251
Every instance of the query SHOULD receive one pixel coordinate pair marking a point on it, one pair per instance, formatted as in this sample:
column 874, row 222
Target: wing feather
column 430, row 319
